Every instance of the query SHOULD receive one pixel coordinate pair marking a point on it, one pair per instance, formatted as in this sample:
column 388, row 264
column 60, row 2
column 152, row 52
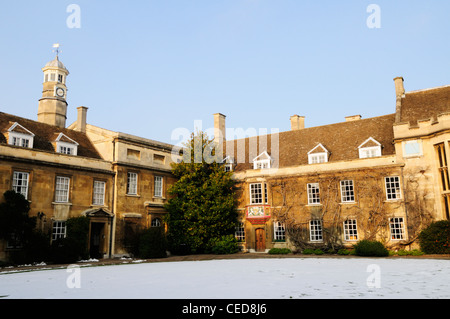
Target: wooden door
column 260, row 235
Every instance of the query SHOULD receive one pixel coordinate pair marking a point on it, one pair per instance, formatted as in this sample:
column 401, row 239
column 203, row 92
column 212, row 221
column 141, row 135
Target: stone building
column 118, row 180
column 58, row 170
column 142, row 174
column 329, row 186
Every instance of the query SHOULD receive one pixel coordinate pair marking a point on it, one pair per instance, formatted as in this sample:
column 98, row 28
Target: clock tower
column 53, row 105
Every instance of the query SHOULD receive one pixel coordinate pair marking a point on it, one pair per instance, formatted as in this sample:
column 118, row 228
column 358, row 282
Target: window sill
column 313, row 205
column 133, row 195
column 62, row 203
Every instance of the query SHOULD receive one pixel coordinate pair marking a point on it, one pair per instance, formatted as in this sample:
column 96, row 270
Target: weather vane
column 56, row 49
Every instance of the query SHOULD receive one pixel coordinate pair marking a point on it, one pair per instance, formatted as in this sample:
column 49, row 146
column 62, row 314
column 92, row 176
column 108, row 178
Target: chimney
column 219, row 132
column 81, row 119
column 352, row 118
column 399, row 92
column 399, row 88
column 297, row 122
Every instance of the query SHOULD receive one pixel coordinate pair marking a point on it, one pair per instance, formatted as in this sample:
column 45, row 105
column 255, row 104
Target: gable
column 370, row 142
column 318, row 149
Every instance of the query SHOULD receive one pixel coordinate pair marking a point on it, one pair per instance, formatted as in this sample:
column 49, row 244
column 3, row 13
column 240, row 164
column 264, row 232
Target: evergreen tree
column 202, row 207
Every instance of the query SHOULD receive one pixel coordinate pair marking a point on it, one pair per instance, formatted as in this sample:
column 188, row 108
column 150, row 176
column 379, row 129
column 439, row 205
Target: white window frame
column 318, row 157
column 98, row 197
column 406, row 145
column 397, row 228
column 158, row 182
column 393, row 191
column 262, row 163
column 240, row 232
column 256, row 193
column 132, row 183
column 62, row 189
column 59, row 230
column 20, row 183
column 313, row 191
column 228, row 164
column 315, row 230
column 20, row 139
column 347, row 191
column 370, row 151
column 350, row 230
column 279, row 231
column 68, row 148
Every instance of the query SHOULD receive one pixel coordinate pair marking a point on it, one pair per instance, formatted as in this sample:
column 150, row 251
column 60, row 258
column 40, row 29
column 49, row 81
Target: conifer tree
column 202, row 205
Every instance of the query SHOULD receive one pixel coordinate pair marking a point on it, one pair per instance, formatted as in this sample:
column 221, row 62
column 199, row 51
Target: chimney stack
column 352, row 118
column 297, row 122
column 399, row 88
column 219, row 132
column 81, row 119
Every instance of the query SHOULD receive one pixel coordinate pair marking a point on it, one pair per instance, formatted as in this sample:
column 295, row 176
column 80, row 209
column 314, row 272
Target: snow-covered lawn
column 274, row 278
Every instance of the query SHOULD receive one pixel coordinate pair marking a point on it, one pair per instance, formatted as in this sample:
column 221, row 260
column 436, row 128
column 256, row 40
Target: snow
column 274, row 278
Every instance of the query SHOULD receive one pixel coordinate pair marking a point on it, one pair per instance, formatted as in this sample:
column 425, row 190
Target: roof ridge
column 429, row 89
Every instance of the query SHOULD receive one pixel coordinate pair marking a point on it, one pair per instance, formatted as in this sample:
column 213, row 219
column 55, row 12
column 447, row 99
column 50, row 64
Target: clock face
column 60, row 92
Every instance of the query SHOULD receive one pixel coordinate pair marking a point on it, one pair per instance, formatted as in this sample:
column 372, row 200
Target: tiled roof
column 340, row 139
column 46, row 134
column 425, row 104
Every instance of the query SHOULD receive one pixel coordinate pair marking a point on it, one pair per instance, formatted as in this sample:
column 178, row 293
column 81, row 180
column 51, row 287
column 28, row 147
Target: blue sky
column 149, row 67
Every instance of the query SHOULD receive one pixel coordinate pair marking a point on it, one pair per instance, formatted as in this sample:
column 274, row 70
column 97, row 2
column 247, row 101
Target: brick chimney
column 81, row 119
column 297, row 122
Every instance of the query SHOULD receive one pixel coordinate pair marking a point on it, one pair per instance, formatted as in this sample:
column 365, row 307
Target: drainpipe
column 112, row 220
column 405, row 200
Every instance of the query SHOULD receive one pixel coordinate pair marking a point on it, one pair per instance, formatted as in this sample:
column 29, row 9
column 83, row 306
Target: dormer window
column 228, row 164
column 20, row 136
column 65, row 145
column 262, row 161
column 369, row 148
column 318, row 154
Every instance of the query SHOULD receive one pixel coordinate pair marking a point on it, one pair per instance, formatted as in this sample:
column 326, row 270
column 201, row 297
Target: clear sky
column 149, row 67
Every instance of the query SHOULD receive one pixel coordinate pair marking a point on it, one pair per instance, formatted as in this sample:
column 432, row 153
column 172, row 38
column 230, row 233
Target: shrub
column 152, row 243
column 224, row 245
column 318, row 252
column 75, row 246
column 370, row 248
column 36, row 248
column 279, row 251
column 435, row 239
column 308, row 251
column 344, row 251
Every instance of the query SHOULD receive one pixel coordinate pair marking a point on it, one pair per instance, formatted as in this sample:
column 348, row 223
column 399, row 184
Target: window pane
column 397, row 228
column 350, row 230
column 158, row 186
column 99, row 193
column 62, row 189
column 279, row 231
column 240, row 232
column 132, row 184
column 20, row 183
column 392, row 187
column 59, row 230
column 347, row 192
column 315, row 230
column 313, row 194
column 256, row 193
